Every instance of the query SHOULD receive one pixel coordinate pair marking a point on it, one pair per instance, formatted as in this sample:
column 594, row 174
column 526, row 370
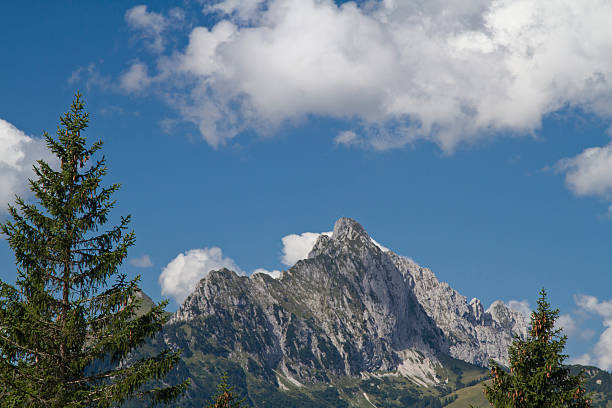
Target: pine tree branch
column 25, row 349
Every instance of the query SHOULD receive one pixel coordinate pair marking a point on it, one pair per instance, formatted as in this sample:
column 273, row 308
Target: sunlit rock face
column 349, row 308
column 474, row 335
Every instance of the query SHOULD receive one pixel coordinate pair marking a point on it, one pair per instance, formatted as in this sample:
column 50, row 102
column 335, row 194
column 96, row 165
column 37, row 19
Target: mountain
column 353, row 323
column 474, row 335
column 598, row 383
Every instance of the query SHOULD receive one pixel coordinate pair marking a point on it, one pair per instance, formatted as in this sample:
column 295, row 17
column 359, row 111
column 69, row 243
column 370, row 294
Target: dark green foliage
column 331, row 398
column 65, row 333
column 226, row 397
column 428, row 402
column 449, row 399
column 537, row 376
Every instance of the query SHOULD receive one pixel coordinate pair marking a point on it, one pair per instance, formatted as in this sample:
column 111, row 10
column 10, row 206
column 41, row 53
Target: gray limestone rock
column 349, row 308
column 475, row 335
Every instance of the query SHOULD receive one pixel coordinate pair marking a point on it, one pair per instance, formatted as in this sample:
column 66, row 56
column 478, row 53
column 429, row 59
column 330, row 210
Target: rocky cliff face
column 349, row 308
column 474, row 335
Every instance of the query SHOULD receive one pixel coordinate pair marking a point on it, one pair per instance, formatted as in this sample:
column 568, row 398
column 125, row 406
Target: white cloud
column 584, row 359
column 346, row 138
column 150, row 24
column 180, row 277
column 91, row 76
column 18, row 154
column 593, row 305
column 601, row 354
column 275, row 273
column 567, row 323
column 135, row 79
column 590, row 172
column 603, row 349
column 521, row 306
column 142, row 262
column 297, row 247
column 447, row 72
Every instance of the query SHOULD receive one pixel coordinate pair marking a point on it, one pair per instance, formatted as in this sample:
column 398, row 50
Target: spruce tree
column 537, row 377
column 69, row 324
column 226, row 397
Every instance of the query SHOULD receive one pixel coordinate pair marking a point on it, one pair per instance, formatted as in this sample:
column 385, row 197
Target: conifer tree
column 537, row 377
column 225, row 397
column 70, row 322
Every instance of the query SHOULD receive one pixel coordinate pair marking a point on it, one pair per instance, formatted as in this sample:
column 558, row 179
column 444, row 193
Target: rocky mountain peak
column 348, row 308
column 476, row 309
column 348, row 228
column 348, row 238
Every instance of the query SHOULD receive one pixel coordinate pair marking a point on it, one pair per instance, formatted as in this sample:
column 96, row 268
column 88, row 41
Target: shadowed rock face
column 348, row 308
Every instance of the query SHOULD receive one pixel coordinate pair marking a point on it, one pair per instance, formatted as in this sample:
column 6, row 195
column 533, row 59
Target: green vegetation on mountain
column 204, row 360
column 211, row 348
column 598, row 384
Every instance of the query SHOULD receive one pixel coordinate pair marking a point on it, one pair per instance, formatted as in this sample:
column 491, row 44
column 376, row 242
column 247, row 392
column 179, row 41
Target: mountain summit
column 352, row 308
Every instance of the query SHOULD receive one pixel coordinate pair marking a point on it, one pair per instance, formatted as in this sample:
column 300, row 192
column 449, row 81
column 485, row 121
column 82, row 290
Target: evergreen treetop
column 226, row 397
column 66, row 334
column 537, row 377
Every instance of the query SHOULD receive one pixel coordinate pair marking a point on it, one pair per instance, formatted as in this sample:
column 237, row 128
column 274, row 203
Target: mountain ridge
column 352, row 324
column 358, row 309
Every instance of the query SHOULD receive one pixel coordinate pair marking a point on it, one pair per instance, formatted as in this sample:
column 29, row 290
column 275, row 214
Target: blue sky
column 474, row 139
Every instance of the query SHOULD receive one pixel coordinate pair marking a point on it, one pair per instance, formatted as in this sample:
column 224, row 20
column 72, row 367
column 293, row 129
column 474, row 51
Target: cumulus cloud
column 521, row 306
column 567, row 323
column 275, row 273
column 297, row 247
column 447, row 72
column 180, row 277
column 601, row 354
column 149, row 24
column 141, row 262
column 590, row 172
column 136, row 78
column 593, row 305
column 18, row 154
